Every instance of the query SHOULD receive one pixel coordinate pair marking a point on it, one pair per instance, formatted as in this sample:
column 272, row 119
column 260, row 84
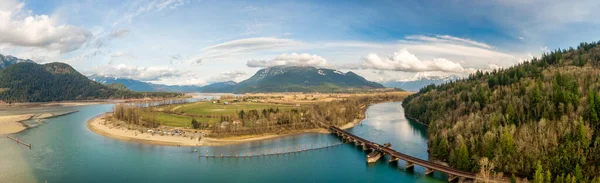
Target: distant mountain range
column 272, row 79
column 8, row 60
column 141, row 86
column 419, row 81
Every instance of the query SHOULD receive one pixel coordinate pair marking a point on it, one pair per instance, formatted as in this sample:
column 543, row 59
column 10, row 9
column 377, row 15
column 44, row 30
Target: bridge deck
column 406, row 157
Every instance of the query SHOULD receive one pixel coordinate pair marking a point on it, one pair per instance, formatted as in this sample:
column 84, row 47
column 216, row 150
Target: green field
column 207, row 108
column 177, row 120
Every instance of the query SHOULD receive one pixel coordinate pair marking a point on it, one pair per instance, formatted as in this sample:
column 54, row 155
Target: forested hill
column 545, row 110
column 31, row 82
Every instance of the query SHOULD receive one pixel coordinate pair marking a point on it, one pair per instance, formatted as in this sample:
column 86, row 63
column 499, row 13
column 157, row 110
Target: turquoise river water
column 65, row 150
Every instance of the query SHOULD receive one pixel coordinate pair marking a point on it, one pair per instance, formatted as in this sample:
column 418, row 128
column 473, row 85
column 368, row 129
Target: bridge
column 430, row 167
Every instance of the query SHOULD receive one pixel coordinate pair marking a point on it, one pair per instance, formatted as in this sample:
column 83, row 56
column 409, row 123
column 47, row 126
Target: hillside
column 31, row 82
column 304, row 79
column 542, row 111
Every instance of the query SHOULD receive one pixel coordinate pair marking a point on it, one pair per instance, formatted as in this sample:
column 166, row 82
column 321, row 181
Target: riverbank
column 14, row 123
column 33, row 105
column 415, row 120
column 11, row 124
column 98, row 125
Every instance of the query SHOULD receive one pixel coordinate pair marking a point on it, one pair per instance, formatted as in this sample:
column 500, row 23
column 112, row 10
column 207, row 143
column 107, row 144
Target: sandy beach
column 11, row 124
column 96, row 125
column 35, row 105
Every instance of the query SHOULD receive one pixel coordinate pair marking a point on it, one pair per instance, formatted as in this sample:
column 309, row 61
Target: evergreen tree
column 513, row 178
column 578, row 174
column 462, row 158
column 548, row 178
column 538, row 177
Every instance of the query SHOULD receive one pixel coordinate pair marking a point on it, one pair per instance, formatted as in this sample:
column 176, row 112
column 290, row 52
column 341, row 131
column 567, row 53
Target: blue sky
column 200, row 42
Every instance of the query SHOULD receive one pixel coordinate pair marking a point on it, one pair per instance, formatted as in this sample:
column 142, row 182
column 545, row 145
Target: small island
column 235, row 119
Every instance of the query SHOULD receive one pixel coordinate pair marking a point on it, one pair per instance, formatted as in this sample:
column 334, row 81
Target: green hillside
column 545, row 110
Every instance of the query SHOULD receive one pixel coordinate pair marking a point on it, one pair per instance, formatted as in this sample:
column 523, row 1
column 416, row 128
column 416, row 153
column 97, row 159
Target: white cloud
column 236, row 76
column 251, row 44
column 247, row 46
column 138, row 73
column 115, row 34
column 119, row 33
column 292, row 59
column 448, row 39
column 408, row 62
column 137, row 8
column 18, row 27
column 187, row 79
column 120, row 55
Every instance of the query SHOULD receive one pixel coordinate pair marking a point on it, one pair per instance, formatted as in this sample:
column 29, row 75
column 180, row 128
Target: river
column 65, row 150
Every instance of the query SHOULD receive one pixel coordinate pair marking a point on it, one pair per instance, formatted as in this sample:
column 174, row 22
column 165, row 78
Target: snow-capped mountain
column 8, row 60
column 303, row 79
column 419, row 81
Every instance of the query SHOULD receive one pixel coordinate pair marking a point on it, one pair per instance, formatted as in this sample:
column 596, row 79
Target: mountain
column 419, row 82
column 539, row 116
column 31, row 82
column 140, row 86
column 304, row 79
column 220, row 87
column 6, row 61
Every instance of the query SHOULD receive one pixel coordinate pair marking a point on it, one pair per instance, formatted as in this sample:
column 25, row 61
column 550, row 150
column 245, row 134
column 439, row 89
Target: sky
column 193, row 42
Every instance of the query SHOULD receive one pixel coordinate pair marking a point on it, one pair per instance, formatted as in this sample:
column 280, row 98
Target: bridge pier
column 410, row 165
column 451, row 177
column 393, row 159
column 366, row 148
column 428, row 171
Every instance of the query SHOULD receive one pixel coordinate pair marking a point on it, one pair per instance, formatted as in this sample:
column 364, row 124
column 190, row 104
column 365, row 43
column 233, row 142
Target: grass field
column 208, row 108
column 177, row 120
